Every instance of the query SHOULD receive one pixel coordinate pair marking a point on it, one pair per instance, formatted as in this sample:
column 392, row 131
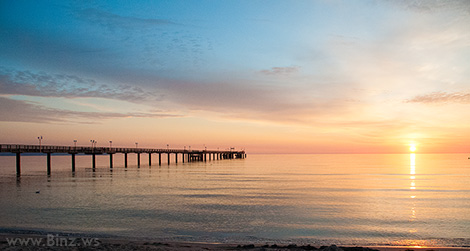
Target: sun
column 412, row 147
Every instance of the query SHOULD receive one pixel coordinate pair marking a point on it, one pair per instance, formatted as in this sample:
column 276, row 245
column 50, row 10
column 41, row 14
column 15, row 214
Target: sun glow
column 412, row 147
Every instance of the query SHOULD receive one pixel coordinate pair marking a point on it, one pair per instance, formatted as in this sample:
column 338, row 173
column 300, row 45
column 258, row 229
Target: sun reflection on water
column 413, row 188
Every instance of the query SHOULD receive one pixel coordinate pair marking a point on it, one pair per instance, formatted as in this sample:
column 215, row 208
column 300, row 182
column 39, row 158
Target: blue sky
column 336, row 70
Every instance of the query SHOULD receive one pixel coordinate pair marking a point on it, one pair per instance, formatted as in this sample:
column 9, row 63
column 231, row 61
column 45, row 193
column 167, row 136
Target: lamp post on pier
column 93, row 144
column 40, row 140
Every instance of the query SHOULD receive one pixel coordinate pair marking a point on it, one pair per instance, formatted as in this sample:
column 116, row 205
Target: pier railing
column 14, row 148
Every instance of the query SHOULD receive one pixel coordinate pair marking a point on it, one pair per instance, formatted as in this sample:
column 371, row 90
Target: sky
column 324, row 76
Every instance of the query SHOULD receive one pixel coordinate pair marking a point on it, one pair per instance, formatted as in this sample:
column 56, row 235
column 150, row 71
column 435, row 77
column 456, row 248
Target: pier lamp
column 110, row 144
column 190, row 148
column 167, row 147
column 75, row 143
column 136, row 144
column 185, row 148
column 93, row 143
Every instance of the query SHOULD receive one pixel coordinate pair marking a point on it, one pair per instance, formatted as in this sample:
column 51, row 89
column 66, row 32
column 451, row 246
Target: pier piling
column 73, row 162
column 93, row 160
column 111, row 161
column 18, row 164
column 48, row 163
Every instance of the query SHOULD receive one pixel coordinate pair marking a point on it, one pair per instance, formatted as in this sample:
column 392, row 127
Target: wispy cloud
column 435, row 5
column 112, row 21
column 281, row 70
column 23, row 111
column 442, row 97
column 41, row 84
column 254, row 102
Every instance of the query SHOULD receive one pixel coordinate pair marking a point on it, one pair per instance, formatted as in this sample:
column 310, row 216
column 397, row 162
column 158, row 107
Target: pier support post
column 125, row 160
column 48, row 163
column 168, row 158
column 183, row 157
column 138, row 160
column 18, row 164
column 176, row 157
column 150, row 159
column 210, row 156
column 111, row 161
column 159, row 159
column 73, row 162
column 93, row 160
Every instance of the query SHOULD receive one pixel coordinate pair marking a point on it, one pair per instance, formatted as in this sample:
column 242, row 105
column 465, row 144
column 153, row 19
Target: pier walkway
column 186, row 155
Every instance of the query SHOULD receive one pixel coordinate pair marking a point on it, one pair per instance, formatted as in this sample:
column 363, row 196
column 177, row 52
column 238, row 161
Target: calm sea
column 352, row 199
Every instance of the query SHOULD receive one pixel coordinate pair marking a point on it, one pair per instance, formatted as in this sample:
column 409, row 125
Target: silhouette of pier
column 186, row 155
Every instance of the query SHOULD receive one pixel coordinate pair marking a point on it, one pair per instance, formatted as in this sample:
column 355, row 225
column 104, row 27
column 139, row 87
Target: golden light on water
column 413, row 188
column 412, row 165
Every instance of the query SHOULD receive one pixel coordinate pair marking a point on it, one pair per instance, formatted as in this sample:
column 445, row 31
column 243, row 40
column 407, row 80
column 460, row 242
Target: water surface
column 355, row 199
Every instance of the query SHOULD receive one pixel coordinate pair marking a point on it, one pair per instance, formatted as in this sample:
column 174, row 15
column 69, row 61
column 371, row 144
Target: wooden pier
column 187, row 155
